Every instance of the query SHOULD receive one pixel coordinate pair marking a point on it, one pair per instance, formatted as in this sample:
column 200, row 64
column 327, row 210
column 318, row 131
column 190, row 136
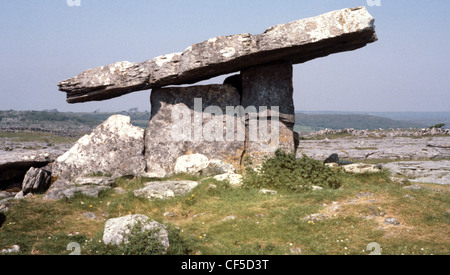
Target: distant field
column 305, row 122
column 58, row 122
column 371, row 120
column 355, row 121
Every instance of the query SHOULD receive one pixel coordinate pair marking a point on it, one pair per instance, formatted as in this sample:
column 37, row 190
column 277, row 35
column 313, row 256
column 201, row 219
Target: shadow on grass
column 2, row 219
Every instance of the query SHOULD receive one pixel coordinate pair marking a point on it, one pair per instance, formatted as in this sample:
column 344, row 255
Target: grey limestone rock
column 165, row 190
column 268, row 90
column 117, row 230
column 115, row 147
column 36, row 181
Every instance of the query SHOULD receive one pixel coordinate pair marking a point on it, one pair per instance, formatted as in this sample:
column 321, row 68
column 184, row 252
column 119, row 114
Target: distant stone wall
column 62, row 133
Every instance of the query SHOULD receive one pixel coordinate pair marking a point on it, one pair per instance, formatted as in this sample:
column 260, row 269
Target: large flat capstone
column 295, row 42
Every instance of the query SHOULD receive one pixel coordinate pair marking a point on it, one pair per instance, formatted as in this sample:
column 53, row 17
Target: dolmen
column 250, row 115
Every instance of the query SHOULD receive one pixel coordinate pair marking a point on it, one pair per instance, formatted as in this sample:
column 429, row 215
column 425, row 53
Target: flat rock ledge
column 165, row 190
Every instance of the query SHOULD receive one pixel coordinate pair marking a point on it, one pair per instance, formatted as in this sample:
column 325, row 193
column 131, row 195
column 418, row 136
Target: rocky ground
column 418, row 156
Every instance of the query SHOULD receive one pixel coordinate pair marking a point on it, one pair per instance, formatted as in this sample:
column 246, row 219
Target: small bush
column 285, row 171
column 438, row 126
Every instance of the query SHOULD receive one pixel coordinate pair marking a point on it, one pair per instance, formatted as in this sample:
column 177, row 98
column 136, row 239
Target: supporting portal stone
column 269, row 86
column 193, row 120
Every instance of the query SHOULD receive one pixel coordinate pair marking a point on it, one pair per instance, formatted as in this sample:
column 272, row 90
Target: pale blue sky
column 46, row 41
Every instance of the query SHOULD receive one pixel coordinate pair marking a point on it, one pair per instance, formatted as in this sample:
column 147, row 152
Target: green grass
column 262, row 224
column 37, row 137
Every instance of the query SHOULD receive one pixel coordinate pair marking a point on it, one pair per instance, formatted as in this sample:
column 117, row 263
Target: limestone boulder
column 114, row 148
column 36, row 181
column 191, row 164
column 361, row 168
column 118, row 230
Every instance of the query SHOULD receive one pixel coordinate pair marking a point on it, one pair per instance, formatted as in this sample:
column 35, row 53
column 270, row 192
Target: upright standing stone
column 268, row 89
column 193, row 120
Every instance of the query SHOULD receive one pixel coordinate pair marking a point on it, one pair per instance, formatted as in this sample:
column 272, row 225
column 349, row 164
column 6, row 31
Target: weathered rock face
column 193, row 120
column 437, row 172
column 65, row 189
column 296, row 42
column 393, row 148
column 268, row 89
column 191, row 164
column 36, row 181
column 118, row 230
column 115, row 147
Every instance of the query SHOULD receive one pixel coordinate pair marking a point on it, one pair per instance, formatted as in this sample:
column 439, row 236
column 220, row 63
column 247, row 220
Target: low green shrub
column 285, row 171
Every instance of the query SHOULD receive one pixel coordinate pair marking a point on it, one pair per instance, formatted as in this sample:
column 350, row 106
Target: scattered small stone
column 361, row 168
column 120, row 190
column 316, row 217
column 295, row 250
column 19, row 195
column 376, row 212
column 165, row 190
column 211, row 186
column 90, row 216
column 101, row 181
column 198, row 215
column 417, row 187
column 401, row 181
column 392, row 221
column 229, row 218
column 12, row 249
column 409, row 196
column 5, row 204
column 170, row 214
column 316, row 188
column 365, row 195
column 4, row 195
column 413, row 187
column 268, row 192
